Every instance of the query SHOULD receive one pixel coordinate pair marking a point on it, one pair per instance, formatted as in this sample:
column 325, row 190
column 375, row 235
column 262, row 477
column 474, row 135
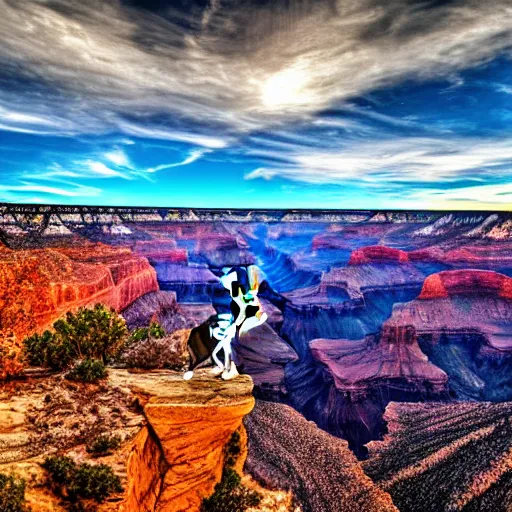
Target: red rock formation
column 466, row 282
column 39, row 286
column 177, row 461
column 461, row 301
column 492, row 255
column 162, row 250
column 377, row 254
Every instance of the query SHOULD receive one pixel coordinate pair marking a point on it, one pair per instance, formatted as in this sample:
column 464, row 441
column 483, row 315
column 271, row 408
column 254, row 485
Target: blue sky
column 321, row 104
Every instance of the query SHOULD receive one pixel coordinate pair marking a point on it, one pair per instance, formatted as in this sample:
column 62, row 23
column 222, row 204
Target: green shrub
column 96, row 333
column 155, row 330
column 60, row 468
column 229, row 494
column 93, row 481
column 104, row 444
column 38, row 348
column 88, row 370
column 83, row 481
column 12, row 494
column 232, row 450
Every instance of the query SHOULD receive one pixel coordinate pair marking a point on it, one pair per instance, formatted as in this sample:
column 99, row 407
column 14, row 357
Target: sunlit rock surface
column 177, row 459
column 44, row 415
column 463, row 322
column 38, row 286
column 394, row 359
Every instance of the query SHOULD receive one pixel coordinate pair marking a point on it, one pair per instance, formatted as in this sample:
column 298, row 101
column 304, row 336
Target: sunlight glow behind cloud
column 263, row 92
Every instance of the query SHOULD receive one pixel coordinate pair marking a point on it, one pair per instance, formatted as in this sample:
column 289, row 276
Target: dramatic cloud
column 264, row 91
column 238, row 67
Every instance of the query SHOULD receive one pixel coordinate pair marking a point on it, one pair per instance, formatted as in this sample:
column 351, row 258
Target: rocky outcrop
column 466, row 282
column 494, row 226
column 351, row 302
column 286, row 451
column 177, row 459
column 38, row 286
column 219, row 250
column 394, row 360
column 461, row 301
column 451, row 224
column 345, row 385
column 162, row 307
column 369, row 269
column 462, row 320
column 377, row 254
column 173, row 434
column 263, row 354
column 489, row 256
column 191, row 283
column 46, row 415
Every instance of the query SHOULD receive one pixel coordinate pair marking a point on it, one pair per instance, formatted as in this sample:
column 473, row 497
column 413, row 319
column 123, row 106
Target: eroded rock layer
column 288, row 452
column 177, row 459
column 440, row 456
column 38, row 286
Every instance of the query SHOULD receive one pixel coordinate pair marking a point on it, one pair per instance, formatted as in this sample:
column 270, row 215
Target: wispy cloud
column 408, row 160
column 278, row 89
column 73, row 190
column 191, row 158
column 238, row 68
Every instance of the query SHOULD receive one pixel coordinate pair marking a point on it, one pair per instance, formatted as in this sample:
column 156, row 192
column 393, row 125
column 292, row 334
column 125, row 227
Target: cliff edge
column 177, row 458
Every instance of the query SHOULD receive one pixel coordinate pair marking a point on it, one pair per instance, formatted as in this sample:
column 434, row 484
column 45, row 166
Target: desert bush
column 93, row 481
column 12, row 494
column 88, row 370
column 229, row 494
column 95, row 333
column 167, row 352
column 155, row 330
column 60, row 468
column 83, row 481
column 12, row 360
column 104, row 444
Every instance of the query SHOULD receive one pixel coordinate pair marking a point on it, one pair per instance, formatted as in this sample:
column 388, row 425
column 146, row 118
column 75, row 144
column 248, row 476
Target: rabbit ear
column 228, row 279
column 255, row 276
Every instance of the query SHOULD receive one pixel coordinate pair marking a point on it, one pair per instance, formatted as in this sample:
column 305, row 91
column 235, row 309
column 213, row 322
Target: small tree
column 96, row 333
column 12, row 494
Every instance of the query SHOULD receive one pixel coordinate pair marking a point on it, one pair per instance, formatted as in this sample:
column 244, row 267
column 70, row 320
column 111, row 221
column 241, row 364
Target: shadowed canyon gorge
column 385, row 362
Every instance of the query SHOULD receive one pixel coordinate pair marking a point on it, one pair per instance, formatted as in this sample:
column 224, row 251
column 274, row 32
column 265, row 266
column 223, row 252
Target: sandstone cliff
column 173, row 434
column 38, row 286
column 177, row 459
